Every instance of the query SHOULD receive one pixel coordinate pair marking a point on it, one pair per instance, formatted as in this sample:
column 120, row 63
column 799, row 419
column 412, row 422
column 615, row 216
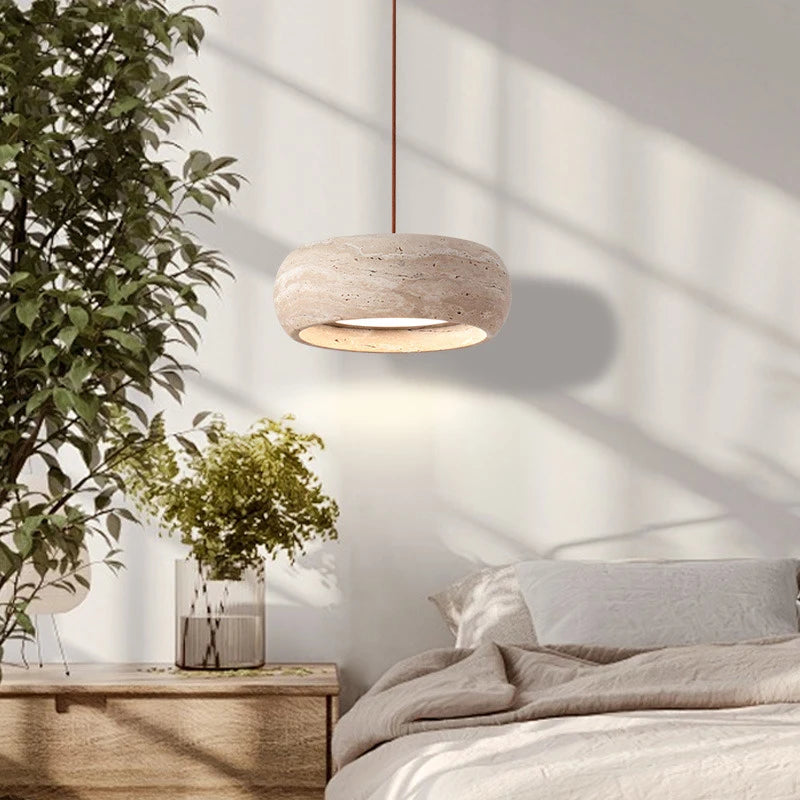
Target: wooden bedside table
column 138, row 731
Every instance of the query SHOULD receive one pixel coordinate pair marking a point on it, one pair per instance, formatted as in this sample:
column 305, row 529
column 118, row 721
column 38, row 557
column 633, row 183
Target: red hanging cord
column 394, row 116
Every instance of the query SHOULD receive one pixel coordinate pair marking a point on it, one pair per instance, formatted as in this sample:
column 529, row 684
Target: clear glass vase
column 219, row 624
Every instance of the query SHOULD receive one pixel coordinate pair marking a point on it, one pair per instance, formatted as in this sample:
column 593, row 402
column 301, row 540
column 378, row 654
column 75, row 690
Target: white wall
column 636, row 163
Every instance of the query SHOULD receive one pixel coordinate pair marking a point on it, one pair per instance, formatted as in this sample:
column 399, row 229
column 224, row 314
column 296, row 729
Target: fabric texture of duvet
column 705, row 721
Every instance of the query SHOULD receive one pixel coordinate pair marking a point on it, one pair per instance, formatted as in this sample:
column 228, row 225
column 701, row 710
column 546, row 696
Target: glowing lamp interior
column 398, row 337
column 390, row 322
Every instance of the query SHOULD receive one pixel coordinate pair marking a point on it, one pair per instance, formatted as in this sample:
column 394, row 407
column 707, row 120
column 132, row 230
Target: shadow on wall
column 560, row 335
column 773, row 525
column 241, row 243
column 628, row 59
column 557, row 335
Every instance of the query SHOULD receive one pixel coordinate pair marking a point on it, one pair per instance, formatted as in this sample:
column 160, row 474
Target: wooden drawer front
column 192, row 746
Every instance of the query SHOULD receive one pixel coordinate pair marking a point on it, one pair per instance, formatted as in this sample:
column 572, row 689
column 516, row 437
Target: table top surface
column 159, row 679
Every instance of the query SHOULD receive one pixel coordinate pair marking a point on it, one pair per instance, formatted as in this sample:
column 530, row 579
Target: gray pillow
column 486, row 606
column 640, row 604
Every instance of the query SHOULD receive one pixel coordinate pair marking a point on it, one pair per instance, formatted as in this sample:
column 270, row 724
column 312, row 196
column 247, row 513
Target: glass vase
column 219, row 624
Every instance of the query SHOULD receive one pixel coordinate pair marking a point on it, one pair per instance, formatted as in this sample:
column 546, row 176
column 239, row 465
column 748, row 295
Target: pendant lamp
column 392, row 292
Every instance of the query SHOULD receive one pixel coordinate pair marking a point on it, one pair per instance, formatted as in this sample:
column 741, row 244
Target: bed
column 500, row 722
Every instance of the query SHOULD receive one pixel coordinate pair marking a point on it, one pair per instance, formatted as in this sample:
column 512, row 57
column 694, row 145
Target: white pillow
column 641, row 604
column 486, row 606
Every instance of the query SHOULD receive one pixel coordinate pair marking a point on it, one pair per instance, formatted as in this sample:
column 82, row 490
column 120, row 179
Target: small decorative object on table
column 242, row 497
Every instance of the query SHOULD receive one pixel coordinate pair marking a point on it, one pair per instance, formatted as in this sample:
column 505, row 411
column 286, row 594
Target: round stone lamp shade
column 392, row 293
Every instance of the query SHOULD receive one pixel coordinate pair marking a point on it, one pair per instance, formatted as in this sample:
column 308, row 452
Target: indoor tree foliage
column 245, row 495
column 99, row 275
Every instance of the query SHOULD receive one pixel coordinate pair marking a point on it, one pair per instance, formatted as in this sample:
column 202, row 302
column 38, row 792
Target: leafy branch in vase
column 237, row 499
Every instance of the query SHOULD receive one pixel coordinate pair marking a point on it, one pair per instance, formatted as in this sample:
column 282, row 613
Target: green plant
column 99, row 274
column 243, row 496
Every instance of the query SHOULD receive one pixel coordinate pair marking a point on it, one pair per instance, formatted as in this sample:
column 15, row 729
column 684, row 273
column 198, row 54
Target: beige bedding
column 505, row 722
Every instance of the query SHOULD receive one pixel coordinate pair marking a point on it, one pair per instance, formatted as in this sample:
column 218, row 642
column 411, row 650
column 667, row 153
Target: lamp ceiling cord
column 394, row 116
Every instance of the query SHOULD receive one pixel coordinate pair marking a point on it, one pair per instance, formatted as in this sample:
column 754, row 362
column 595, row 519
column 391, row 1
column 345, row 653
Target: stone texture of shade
column 401, row 275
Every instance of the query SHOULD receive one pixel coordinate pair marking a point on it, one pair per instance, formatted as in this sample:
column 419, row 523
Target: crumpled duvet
column 683, row 723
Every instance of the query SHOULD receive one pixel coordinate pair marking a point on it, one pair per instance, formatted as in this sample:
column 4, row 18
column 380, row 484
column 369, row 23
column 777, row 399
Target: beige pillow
column 486, row 606
column 643, row 604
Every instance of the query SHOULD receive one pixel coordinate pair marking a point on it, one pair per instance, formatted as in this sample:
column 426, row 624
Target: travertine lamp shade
column 389, row 293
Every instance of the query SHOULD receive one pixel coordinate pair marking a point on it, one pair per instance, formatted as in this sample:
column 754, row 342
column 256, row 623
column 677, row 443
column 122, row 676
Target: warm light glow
column 390, row 322
column 392, row 340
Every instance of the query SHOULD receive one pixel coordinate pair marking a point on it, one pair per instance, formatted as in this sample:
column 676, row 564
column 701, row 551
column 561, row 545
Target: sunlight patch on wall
column 448, row 103
column 311, row 582
column 301, row 41
column 310, row 170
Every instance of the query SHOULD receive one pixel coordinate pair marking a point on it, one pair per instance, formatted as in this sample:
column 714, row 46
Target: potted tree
column 100, row 275
column 240, row 498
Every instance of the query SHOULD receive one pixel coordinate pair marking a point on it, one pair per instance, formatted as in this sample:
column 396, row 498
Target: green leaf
column 36, row 400
column 56, row 481
column 87, row 407
column 63, row 400
column 196, row 164
column 103, row 500
column 68, row 335
column 23, row 541
column 6, row 564
column 124, row 105
column 174, row 380
column 48, row 353
column 127, row 340
column 133, row 261
column 24, row 622
column 126, row 514
column 29, row 343
column 221, row 163
column 202, row 198
column 188, row 445
column 112, row 286
column 27, row 310
column 115, row 312
column 79, row 317
column 114, row 525
column 80, row 370
column 81, row 579
column 9, row 152
column 198, row 418
column 18, row 277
